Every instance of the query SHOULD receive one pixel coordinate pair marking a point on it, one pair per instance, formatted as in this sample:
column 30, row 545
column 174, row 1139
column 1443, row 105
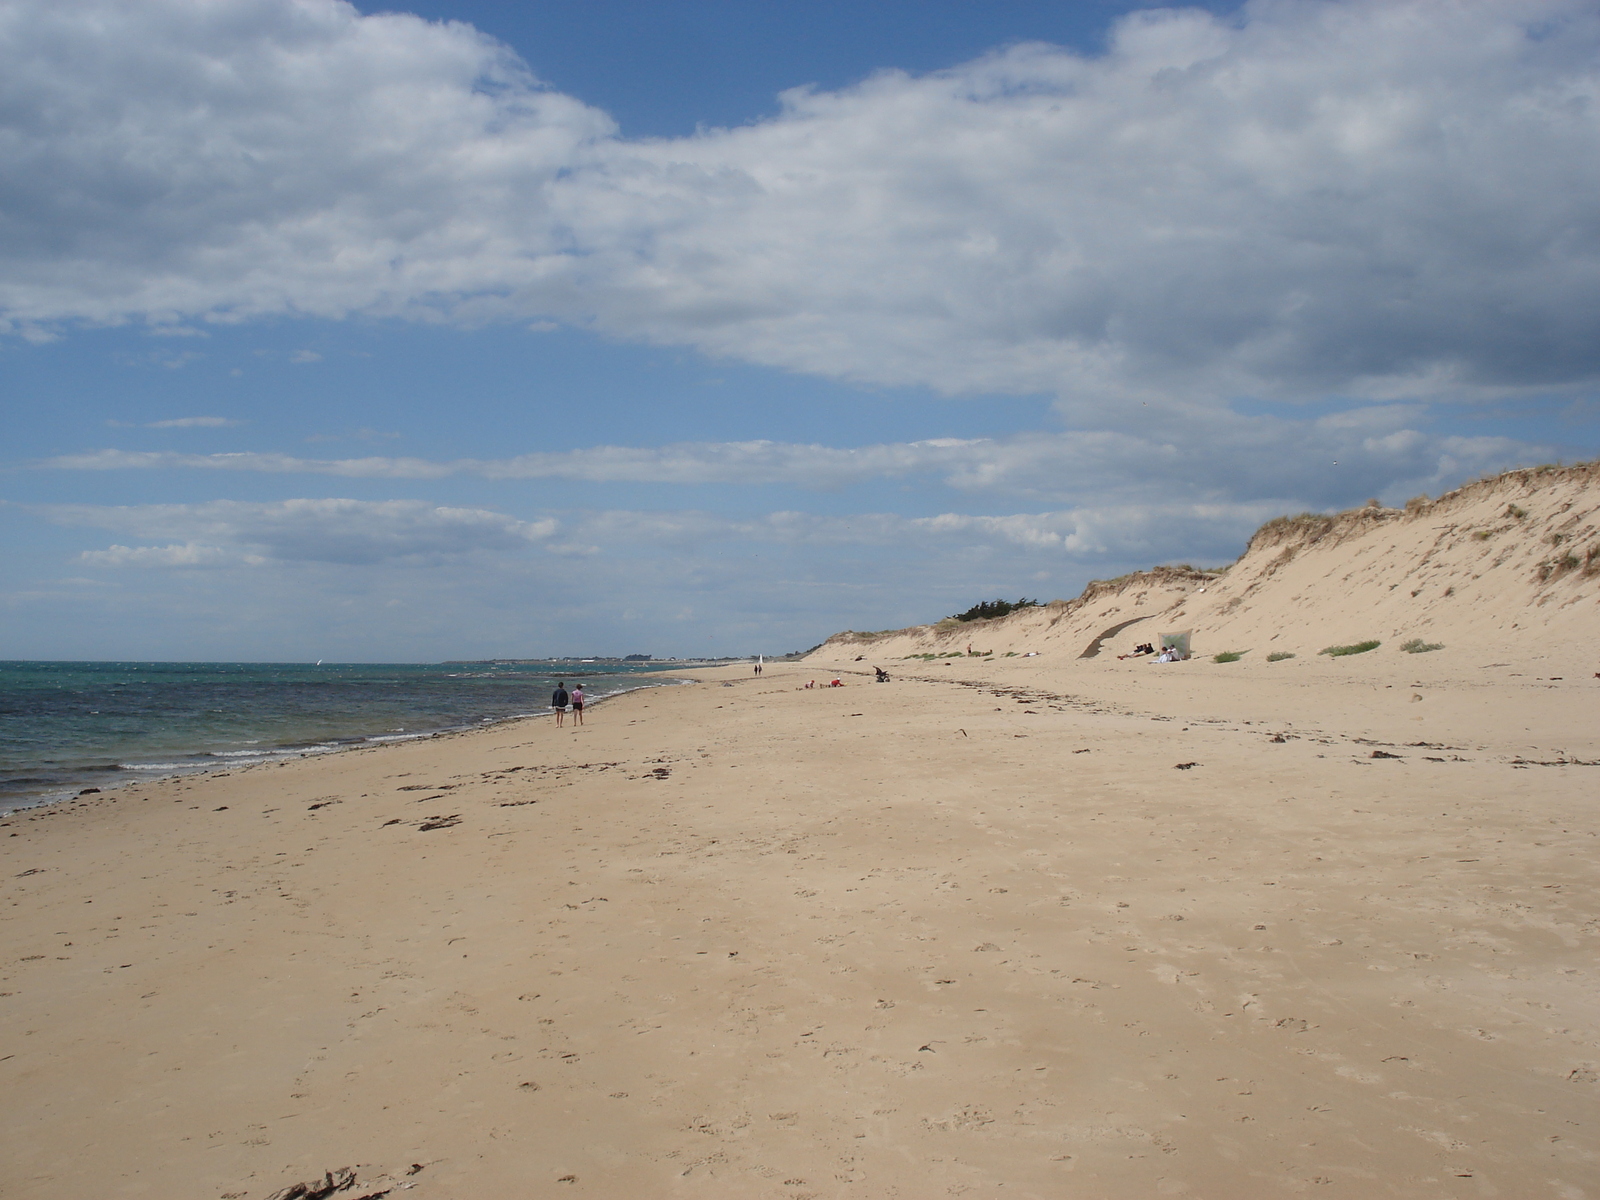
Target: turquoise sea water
column 66, row 726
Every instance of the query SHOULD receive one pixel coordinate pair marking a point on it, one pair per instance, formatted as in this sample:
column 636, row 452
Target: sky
column 474, row 329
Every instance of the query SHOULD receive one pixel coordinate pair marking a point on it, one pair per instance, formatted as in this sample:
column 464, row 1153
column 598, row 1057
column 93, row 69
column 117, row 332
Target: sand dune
column 1507, row 564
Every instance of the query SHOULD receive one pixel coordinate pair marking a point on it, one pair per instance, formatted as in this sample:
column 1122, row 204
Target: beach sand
column 1031, row 928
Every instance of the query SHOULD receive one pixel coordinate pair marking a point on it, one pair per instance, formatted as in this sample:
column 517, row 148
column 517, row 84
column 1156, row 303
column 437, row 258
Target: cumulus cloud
column 170, row 158
column 1376, row 449
column 1385, row 198
column 349, row 532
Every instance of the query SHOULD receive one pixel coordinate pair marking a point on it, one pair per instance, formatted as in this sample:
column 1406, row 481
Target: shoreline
column 968, row 933
column 113, row 775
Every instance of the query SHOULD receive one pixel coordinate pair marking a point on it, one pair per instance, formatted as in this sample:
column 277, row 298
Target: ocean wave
column 34, row 781
column 215, row 718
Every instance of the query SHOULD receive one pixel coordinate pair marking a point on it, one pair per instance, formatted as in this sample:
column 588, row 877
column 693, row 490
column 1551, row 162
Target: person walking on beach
column 577, row 704
column 558, row 701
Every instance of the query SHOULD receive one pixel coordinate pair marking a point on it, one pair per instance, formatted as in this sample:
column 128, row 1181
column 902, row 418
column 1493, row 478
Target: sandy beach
column 1013, row 927
column 1073, row 527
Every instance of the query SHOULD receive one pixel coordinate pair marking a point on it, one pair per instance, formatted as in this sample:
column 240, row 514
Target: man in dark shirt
column 559, row 702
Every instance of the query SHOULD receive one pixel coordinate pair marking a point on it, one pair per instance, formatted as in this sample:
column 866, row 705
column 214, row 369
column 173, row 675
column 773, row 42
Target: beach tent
column 1176, row 641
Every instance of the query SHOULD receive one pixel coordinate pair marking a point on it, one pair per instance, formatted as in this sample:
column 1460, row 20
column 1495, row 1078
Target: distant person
column 883, row 676
column 577, row 705
column 558, row 701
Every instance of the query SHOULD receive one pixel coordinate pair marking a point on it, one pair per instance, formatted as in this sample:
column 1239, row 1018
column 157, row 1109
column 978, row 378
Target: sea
column 69, row 726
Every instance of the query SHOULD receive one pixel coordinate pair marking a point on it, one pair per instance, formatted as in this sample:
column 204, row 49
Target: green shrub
column 1279, row 656
column 989, row 609
column 1228, row 656
column 1418, row 646
column 1353, row 648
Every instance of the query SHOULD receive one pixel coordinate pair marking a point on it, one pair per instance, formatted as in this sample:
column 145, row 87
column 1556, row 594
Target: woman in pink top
column 577, row 704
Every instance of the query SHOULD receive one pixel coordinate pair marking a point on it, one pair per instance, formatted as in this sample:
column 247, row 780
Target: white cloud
column 352, row 468
column 169, row 158
column 194, row 423
column 1385, row 198
column 1084, row 534
column 185, row 555
column 347, row 532
column 1197, row 455
column 373, row 533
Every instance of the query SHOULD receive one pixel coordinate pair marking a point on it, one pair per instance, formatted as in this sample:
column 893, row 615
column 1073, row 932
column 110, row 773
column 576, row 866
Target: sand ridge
column 979, row 933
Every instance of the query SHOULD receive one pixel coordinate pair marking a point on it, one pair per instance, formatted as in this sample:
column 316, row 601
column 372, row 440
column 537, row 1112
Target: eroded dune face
column 1510, row 563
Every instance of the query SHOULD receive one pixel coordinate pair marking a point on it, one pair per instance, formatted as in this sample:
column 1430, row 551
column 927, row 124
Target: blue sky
column 513, row 329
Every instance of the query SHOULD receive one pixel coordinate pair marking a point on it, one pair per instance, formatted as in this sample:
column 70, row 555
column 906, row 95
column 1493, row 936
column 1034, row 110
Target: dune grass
column 1418, row 646
column 1228, row 656
column 1353, row 648
column 1279, row 655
